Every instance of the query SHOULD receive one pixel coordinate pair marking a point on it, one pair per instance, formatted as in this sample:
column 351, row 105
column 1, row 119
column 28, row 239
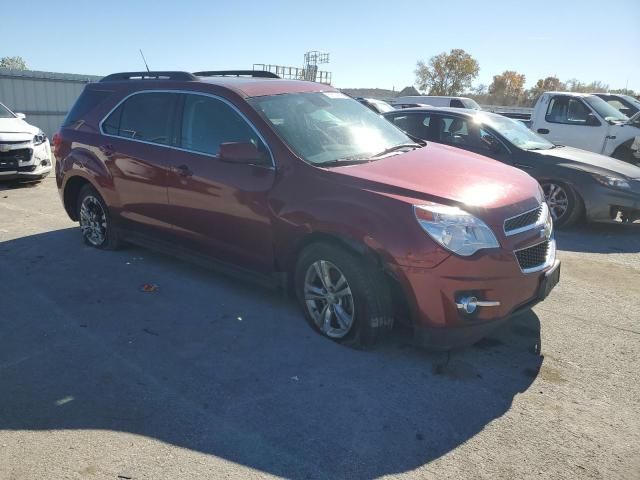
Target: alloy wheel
column 93, row 221
column 557, row 199
column 328, row 299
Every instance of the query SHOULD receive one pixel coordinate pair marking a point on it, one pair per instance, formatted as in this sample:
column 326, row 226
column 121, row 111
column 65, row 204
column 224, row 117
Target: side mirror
column 21, row 116
column 239, row 152
column 592, row 120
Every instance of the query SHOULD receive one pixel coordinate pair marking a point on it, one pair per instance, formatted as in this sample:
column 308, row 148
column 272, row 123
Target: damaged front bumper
column 25, row 161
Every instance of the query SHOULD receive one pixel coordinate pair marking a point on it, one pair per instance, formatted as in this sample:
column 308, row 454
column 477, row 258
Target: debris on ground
column 150, row 287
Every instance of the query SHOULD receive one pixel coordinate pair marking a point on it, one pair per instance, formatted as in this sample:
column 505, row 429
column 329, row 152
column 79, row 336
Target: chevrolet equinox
column 301, row 186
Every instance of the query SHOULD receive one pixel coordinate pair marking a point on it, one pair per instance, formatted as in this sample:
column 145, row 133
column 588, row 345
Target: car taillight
column 57, row 141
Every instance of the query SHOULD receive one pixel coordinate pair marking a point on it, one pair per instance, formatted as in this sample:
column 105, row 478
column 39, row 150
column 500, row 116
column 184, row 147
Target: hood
column 593, row 162
column 449, row 175
column 16, row 129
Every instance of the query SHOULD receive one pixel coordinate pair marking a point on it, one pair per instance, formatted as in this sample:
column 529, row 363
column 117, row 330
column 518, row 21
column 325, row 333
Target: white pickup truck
column 586, row 121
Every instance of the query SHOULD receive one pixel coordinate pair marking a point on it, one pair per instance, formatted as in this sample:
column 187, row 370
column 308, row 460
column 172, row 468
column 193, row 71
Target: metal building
column 44, row 97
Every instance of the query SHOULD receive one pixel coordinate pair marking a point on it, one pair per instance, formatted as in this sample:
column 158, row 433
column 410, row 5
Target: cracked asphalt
column 210, row 377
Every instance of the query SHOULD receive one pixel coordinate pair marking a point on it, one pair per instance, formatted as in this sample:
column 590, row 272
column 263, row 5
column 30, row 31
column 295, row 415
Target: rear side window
column 147, row 117
column 415, row 124
column 87, row 101
column 567, row 110
column 207, row 122
column 455, row 103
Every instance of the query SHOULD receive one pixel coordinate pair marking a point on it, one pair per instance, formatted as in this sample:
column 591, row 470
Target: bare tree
column 14, row 63
column 447, row 73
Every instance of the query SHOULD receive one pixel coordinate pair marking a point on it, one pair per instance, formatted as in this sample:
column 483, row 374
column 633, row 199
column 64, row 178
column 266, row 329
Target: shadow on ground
column 221, row 367
column 601, row 238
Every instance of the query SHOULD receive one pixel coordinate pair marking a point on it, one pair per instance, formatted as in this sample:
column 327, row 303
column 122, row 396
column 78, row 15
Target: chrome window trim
column 551, row 256
column 172, row 147
column 531, row 226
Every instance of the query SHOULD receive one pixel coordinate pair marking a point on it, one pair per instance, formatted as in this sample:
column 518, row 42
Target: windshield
column 633, row 101
column 605, row 110
column 472, row 104
column 5, row 112
column 328, row 127
column 515, row 132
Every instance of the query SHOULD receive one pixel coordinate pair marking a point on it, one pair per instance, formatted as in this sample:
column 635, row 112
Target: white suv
column 25, row 153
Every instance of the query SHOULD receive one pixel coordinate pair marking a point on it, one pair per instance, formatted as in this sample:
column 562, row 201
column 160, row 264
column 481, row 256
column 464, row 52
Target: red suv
column 301, row 186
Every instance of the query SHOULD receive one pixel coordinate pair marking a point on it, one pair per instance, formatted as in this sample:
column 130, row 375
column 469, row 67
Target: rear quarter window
column 87, row 101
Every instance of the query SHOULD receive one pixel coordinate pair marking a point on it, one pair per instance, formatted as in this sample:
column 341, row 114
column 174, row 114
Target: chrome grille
column 522, row 222
column 533, row 257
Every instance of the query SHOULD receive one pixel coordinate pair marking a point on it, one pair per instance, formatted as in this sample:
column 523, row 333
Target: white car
column 25, row 153
column 436, row 101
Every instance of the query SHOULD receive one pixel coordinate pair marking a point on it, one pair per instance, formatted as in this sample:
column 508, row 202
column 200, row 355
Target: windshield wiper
column 396, row 147
column 342, row 161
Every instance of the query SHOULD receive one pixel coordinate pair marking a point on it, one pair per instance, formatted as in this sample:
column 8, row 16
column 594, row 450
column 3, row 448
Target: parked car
column 625, row 104
column 437, row 101
column 303, row 186
column 25, row 153
column 586, row 121
column 378, row 106
column 576, row 182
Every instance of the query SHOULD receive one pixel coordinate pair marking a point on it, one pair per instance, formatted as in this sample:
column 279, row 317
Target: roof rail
column 236, row 73
column 185, row 76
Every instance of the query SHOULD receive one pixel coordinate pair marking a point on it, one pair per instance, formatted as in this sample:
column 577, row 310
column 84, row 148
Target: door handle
column 107, row 149
column 184, row 171
column 523, row 166
column 543, row 130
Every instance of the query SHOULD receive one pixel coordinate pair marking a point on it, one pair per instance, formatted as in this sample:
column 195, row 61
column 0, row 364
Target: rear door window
column 147, row 117
column 416, row 124
column 207, row 122
column 455, row 103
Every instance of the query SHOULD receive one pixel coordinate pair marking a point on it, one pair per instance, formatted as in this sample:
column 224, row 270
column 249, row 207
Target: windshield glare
column 515, row 132
column 325, row 127
column 5, row 112
column 605, row 110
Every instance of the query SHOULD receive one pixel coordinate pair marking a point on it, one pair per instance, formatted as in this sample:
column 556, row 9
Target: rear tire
column 344, row 297
column 565, row 204
column 95, row 220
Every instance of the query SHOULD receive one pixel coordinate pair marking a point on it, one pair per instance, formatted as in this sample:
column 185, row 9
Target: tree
column 549, row 84
column 14, row 63
column 574, row 85
column 447, row 73
column 507, row 87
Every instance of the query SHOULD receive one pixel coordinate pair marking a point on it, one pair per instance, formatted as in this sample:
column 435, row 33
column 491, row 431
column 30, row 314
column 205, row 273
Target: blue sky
column 372, row 43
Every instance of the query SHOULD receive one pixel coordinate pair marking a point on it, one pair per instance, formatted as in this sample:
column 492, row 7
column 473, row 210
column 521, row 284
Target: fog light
column 468, row 304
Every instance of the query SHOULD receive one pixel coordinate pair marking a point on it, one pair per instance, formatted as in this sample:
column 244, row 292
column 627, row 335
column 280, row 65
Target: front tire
column 564, row 203
column 344, row 296
column 95, row 221
column 624, row 153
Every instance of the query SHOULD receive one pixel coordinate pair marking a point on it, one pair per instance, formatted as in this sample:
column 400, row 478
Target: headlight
column 612, row 182
column 39, row 138
column 455, row 229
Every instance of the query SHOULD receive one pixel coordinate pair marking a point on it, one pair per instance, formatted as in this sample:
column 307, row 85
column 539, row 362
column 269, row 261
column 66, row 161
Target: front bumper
column 434, row 295
column 26, row 161
column 602, row 204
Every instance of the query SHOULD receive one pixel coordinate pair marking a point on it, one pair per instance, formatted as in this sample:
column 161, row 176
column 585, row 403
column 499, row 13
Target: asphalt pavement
column 206, row 376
